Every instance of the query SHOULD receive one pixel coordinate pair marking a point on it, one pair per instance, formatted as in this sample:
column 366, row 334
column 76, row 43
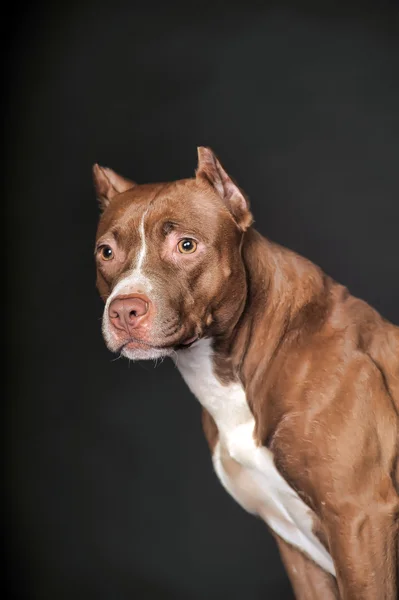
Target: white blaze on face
column 143, row 248
column 134, row 281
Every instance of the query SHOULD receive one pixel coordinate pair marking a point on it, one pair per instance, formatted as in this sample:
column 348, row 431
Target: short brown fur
column 320, row 368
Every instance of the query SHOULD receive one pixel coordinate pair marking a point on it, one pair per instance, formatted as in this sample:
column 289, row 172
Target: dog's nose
column 127, row 312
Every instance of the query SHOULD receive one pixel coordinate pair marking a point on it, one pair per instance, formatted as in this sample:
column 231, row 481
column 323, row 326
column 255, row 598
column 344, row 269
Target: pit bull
column 298, row 379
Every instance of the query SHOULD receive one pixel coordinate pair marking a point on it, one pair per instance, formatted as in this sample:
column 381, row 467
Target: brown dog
column 298, row 379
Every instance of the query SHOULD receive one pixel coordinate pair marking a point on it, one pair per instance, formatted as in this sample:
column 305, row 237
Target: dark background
column 110, row 492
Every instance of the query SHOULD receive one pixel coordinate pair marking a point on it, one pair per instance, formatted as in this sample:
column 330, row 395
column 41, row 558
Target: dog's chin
column 145, row 352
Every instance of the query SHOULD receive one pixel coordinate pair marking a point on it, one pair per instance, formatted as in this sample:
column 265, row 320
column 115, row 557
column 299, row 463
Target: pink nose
column 128, row 312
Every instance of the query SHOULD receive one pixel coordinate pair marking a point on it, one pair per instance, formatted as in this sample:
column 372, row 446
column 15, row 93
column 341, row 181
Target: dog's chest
column 246, row 470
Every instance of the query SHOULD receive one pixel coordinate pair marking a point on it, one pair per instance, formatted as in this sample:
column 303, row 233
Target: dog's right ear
column 108, row 184
column 210, row 170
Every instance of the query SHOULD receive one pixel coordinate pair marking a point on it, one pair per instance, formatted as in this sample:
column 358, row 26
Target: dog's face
column 168, row 257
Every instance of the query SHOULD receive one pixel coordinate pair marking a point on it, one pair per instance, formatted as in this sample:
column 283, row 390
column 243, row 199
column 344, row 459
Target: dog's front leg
column 363, row 544
column 308, row 580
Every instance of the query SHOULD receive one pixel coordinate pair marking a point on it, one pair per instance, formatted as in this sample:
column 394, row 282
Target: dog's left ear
column 108, row 184
column 210, row 170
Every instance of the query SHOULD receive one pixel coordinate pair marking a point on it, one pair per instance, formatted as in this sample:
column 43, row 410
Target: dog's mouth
column 189, row 341
column 135, row 343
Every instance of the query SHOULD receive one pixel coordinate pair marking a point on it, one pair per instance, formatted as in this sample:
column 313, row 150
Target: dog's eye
column 106, row 252
column 187, row 246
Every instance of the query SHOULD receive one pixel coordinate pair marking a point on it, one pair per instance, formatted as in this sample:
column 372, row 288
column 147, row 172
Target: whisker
column 177, row 358
column 117, row 358
column 140, row 364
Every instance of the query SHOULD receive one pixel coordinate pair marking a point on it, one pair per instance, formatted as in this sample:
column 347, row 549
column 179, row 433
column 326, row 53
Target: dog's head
column 168, row 257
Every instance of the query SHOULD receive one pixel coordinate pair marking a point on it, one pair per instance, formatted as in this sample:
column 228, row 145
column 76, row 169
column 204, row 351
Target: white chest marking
column 246, row 470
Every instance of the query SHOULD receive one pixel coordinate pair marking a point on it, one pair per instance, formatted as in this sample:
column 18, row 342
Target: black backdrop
column 110, row 488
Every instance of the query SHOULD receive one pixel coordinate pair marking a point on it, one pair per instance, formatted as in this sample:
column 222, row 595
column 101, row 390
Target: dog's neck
column 280, row 285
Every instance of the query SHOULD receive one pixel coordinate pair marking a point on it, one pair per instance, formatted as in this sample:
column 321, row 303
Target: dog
column 298, row 379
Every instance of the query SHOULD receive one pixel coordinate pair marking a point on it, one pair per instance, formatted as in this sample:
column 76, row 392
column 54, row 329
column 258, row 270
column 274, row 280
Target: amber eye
column 187, row 246
column 106, row 252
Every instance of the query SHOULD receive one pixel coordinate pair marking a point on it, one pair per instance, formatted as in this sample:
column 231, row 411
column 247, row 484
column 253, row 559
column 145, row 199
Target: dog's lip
column 131, row 343
column 189, row 341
